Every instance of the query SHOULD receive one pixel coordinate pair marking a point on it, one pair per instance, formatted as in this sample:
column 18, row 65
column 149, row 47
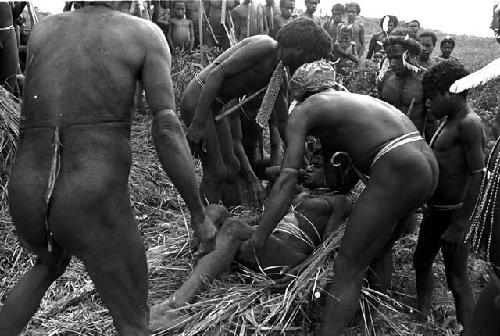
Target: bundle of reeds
column 10, row 110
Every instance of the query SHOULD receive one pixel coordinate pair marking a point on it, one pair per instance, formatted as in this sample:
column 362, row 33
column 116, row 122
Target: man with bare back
column 381, row 143
column 242, row 70
column 68, row 190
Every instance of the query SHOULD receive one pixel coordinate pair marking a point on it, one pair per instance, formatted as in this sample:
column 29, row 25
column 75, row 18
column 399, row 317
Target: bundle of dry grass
column 10, row 111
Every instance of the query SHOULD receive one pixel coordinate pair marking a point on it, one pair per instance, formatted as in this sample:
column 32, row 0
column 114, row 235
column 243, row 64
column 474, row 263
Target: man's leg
column 432, row 228
column 371, row 224
column 24, row 299
column 485, row 321
column 458, row 282
column 10, row 61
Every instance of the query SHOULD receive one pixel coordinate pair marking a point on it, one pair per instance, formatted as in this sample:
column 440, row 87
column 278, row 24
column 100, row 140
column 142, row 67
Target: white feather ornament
column 480, row 77
column 385, row 24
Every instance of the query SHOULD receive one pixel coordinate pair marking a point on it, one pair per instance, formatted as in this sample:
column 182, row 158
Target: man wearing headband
column 399, row 84
column 380, row 144
column 447, row 45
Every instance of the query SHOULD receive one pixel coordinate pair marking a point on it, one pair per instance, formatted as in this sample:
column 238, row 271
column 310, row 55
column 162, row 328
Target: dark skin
column 257, row 23
column 459, row 150
column 285, row 16
column 90, row 215
column 9, row 59
column 283, row 252
column 180, row 31
column 373, row 227
column 246, row 67
column 485, row 320
column 358, row 30
column 424, row 59
column 333, row 25
column 400, row 87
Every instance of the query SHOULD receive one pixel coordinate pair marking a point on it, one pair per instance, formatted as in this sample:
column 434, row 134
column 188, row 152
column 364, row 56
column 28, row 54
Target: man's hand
column 253, row 248
column 452, row 239
column 256, row 192
column 195, row 137
column 204, row 235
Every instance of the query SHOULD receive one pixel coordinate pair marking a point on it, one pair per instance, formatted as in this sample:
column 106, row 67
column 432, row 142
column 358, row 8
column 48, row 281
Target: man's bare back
column 68, row 191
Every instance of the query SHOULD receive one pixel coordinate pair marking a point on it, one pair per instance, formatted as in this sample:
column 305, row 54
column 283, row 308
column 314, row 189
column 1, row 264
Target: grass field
column 241, row 301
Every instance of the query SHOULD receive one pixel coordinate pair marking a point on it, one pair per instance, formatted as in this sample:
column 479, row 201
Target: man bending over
column 242, row 70
column 380, row 142
column 68, row 190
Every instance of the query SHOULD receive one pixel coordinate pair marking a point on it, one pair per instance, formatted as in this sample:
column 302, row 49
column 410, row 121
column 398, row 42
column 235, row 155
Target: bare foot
column 166, row 316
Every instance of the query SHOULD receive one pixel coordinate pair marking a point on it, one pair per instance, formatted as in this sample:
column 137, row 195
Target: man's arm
column 191, row 35
column 169, row 36
column 168, row 135
column 361, row 40
column 471, row 140
column 283, row 191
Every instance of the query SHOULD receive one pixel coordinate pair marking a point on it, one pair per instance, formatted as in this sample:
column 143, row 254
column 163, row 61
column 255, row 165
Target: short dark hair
column 392, row 18
column 284, row 2
column 355, row 5
column 442, row 75
column 416, row 21
column 429, row 34
column 338, row 7
column 448, row 39
column 305, row 34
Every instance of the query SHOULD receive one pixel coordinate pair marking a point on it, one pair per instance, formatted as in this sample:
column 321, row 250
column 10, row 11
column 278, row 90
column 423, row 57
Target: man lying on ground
column 384, row 147
column 242, row 70
column 458, row 145
column 68, row 190
column 293, row 240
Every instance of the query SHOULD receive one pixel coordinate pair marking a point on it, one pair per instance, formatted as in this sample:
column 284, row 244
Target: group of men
column 68, row 188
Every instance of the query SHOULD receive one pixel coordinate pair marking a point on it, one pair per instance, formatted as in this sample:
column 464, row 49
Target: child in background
column 447, row 45
column 180, row 30
column 358, row 30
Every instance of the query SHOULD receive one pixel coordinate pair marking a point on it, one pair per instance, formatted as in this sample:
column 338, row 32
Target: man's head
column 436, row 83
column 495, row 22
column 401, row 50
column 414, row 27
column 378, row 57
column 428, row 41
column 269, row 3
column 179, row 9
column 337, row 11
column 392, row 22
column 352, row 9
column 312, row 78
column 311, row 6
column 447, row 45
column 286, row 8
column 303, row 41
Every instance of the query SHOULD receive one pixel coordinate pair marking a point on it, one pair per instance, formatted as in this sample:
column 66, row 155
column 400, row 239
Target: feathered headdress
column 480, row 77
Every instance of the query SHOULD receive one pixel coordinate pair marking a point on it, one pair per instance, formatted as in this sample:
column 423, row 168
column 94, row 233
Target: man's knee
column 236, row 229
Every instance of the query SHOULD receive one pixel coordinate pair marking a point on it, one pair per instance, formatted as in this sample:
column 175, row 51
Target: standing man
column 311, row 6
column 333, row 25
column 68, row 191
column 358, row 30
column 458, row 145
column 400, row 86
column 386, row 144
column 287, row 8
column 414, row 28
column 428, row 41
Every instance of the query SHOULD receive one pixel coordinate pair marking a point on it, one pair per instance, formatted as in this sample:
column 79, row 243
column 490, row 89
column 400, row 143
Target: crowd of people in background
column 416, row 146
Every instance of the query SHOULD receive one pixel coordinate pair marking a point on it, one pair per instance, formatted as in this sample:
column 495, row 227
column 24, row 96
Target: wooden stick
column 200, row 28
column 240, row 104
column 410, row 109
